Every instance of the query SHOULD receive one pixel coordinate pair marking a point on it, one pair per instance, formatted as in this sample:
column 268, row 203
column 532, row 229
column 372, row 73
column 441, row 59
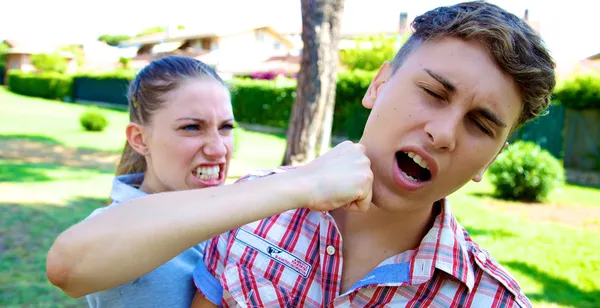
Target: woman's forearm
column 132, row 239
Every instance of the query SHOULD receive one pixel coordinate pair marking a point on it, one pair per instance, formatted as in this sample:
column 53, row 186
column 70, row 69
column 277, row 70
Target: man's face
column 448, row 108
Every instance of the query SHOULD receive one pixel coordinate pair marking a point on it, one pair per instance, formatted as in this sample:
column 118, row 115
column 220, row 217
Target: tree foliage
column 371, row 51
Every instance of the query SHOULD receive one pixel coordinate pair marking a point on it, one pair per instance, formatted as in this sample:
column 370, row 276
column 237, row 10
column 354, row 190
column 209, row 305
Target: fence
column 546, row 131
column 582, row 145
column 108, row 90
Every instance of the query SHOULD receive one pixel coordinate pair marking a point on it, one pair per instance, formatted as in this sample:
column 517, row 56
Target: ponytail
column 131, row 161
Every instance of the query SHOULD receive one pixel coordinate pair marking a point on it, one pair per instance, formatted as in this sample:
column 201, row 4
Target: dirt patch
column 573, row 215
column 39, row 152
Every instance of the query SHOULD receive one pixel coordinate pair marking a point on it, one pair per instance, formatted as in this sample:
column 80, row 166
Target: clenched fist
column 341, row 177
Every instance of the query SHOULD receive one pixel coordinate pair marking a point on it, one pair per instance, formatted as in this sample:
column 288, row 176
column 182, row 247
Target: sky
column 567, row 27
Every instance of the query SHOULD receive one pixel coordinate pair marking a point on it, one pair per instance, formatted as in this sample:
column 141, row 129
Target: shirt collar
column 444, row 248
column 123, row 187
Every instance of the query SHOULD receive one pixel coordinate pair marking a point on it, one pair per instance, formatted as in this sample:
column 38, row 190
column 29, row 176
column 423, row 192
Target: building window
column 260, row 35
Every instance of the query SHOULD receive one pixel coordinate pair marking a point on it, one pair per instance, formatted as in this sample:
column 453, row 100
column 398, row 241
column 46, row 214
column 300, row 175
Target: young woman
column 136, row 252
column 180, row 138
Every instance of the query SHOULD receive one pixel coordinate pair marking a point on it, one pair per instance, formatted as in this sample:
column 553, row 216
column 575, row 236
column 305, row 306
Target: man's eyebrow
column 490, row 115
column 443, row 80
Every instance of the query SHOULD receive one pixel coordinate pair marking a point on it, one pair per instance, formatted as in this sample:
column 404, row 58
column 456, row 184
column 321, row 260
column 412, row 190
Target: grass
column 567, row 194
column 557, row 265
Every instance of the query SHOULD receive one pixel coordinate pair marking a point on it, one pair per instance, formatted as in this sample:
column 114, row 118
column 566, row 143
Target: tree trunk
column 312, row 115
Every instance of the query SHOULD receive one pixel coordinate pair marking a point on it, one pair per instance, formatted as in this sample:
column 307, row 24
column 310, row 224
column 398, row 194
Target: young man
column 440, row 114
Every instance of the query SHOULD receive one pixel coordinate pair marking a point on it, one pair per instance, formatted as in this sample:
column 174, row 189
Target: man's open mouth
column 413, row 166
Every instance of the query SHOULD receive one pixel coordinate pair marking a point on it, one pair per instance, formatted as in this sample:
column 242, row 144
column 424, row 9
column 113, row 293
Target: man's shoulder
column 495, row 275
column 276, row 226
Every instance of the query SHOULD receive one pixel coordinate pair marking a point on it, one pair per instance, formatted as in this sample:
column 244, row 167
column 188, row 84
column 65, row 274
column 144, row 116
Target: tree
column 3, row 50
column 113, row 40
column 49, row 62
column 310, row 123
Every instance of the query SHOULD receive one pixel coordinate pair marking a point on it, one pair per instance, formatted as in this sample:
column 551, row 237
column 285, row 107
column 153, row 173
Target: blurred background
column 65, row 67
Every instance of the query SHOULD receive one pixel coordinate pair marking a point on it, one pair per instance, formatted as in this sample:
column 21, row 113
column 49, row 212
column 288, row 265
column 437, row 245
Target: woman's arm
column 132, row 239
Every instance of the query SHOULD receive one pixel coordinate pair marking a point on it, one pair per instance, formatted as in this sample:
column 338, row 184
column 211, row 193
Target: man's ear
column 382, row 76
column 479, row 175
column 136, row 138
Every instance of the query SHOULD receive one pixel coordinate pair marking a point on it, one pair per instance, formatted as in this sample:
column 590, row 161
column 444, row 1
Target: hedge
column 580, row 92
column 263, row 102
column 270, row 102
column 46, row 85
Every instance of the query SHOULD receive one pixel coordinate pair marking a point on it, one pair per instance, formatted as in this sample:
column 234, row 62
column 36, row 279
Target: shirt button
column 481, row 256
column 330, row 250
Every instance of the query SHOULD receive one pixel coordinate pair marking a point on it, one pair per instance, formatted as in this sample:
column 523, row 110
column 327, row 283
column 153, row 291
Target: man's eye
column 432, row 94
column 482, row 128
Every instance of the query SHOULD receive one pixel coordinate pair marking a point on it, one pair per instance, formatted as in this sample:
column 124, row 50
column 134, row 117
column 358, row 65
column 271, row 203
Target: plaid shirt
column 294, row 259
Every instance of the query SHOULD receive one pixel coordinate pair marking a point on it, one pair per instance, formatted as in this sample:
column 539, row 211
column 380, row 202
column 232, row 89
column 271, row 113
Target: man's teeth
column 418, row 159
column 208, row 173
column 410, row 177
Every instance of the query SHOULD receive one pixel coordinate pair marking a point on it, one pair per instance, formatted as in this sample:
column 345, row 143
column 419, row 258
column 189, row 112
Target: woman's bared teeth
column 208, row 173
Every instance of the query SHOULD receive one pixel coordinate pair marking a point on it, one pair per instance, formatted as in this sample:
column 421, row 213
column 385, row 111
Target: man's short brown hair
column 515, row 46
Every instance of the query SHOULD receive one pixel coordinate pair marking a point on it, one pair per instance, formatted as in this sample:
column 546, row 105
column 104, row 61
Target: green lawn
column 62, row 173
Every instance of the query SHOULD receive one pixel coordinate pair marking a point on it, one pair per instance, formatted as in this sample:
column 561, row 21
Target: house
column 18, row 56
column 589, row 65
column 231, row 50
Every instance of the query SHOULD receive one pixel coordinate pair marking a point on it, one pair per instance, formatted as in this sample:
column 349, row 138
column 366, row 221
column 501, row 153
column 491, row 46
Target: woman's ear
column 136, row 138
column 378, row 81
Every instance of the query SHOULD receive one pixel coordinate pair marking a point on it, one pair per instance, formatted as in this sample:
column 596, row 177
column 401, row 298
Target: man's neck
column 399, row 231
column 372, row 237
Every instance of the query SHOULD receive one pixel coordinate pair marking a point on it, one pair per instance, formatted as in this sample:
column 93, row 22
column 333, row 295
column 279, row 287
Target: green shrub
column 263, row 102
column 46, row 85
column 350, row 116
column 267, row 102
column 49, row 62
column 382, row 48
column 525, row 172
column 93, row 120
column 580, row 92
column 121, row 74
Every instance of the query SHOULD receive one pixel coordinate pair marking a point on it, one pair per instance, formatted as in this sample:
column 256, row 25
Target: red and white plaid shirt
column 294, row 259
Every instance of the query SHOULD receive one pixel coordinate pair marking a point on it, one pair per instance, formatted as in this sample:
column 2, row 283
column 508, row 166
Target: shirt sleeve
column 207, row 274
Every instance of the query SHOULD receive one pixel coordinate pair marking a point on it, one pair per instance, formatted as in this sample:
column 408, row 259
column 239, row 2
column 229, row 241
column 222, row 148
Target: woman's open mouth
column 209, row 175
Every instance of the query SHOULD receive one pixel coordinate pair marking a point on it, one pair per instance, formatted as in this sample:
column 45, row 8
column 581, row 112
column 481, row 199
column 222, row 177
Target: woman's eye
column 228, row 126
column 190, row 127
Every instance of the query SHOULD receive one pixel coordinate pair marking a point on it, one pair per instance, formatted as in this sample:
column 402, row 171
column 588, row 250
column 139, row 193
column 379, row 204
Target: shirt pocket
column 244, row 288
